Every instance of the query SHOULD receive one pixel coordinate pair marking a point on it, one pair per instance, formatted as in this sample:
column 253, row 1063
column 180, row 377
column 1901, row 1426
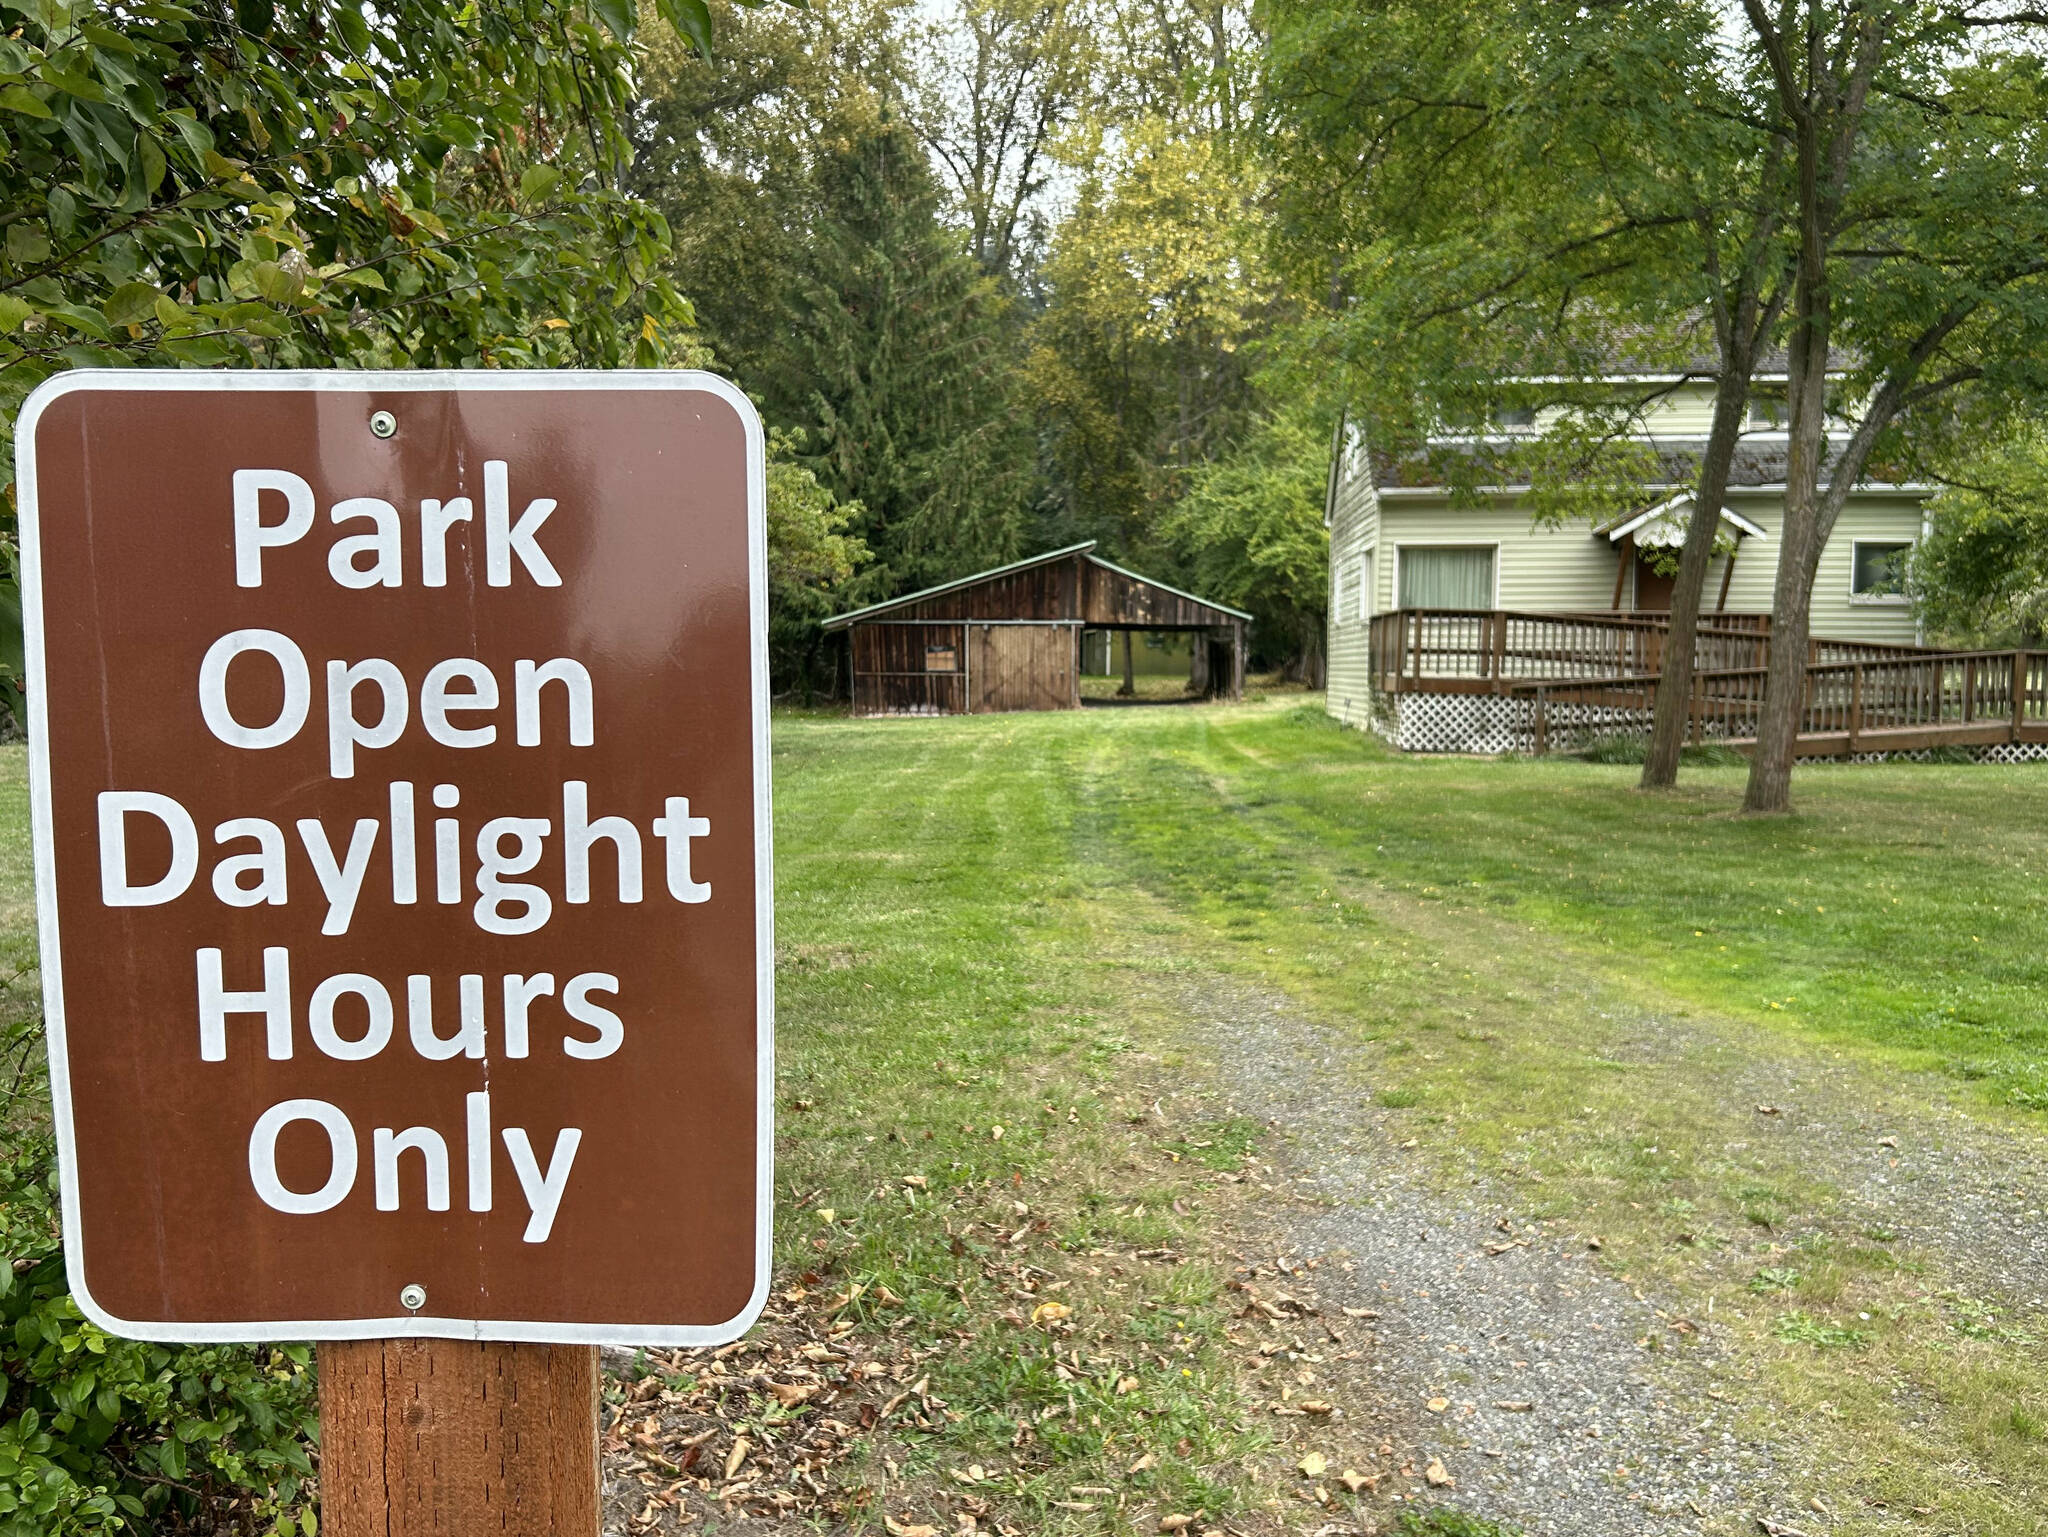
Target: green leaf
column 536, row 182
column 256, row 17
column 355, row 32
column 275, row 282
column 27, row 245
column 84, row 87
column 617, row 15
column 362, row 277
column 130, row 304
column 154, row 165
column 19, row 98
column 692, row 18
column 14, row 313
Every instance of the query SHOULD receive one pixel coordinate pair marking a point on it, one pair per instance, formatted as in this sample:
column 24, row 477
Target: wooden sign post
column 419, row 1438
column 399, row 769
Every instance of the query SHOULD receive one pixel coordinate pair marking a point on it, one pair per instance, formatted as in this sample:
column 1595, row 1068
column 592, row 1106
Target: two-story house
column 1400, row 542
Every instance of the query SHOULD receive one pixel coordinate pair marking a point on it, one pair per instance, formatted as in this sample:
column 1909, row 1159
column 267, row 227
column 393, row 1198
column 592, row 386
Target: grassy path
column 1545, row 998
column 1517, row 961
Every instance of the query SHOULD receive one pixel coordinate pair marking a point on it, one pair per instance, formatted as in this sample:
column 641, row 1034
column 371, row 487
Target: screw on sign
column 399, row 768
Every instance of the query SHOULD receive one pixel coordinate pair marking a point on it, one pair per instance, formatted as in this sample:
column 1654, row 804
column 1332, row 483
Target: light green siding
column 1572, row 569
column 1354, row 539
column 1535, row 568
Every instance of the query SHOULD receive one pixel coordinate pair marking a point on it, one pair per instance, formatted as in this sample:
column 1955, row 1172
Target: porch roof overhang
column 1662, row 526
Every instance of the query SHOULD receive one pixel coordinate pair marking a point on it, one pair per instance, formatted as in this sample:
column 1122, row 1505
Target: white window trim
column 1448, row 544
column 1367, row 600
column 1876, row 599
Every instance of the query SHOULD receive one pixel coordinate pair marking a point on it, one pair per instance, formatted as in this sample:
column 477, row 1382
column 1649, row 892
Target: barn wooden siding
column 909, row 669
column 1010, row 639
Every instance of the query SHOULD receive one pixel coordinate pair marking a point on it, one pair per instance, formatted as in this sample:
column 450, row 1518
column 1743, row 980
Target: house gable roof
column 1656, row 518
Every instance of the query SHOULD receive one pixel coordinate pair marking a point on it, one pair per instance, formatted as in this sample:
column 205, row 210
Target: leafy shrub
column 1443, row 1522
column 1802, row 1328
column 101, row 1435
column 1614, row 747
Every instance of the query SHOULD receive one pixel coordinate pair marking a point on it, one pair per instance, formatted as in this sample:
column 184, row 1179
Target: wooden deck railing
column 1889, row 704
column 1489, row 651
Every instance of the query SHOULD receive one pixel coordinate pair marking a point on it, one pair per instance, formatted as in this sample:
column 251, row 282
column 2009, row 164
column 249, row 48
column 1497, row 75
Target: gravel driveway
column 1503, row 1348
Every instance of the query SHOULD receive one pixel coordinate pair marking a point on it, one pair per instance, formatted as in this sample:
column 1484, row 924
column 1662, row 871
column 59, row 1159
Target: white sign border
column 368, row 381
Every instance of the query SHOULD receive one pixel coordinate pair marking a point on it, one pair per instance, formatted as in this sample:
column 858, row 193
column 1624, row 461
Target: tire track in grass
column 1763, row 1158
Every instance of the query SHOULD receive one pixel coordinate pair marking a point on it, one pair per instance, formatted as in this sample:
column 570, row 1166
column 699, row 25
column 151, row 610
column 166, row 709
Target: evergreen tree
column 897, row 354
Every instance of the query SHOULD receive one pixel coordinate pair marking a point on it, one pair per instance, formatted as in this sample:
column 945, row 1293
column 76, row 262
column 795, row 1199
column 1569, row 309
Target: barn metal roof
column 1083, row 549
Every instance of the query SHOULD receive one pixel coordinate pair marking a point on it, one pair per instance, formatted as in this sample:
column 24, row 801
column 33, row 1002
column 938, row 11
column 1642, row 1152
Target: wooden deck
column 1581, row 673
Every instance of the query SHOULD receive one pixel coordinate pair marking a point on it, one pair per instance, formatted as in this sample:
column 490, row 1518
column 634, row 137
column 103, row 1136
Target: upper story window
column 1767, row 412
column 1877, row 571
column 1512, row 417
column 1354, row 451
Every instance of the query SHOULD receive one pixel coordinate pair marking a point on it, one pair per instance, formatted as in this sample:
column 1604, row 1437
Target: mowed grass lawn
column 1491, row 934
column 972, row 917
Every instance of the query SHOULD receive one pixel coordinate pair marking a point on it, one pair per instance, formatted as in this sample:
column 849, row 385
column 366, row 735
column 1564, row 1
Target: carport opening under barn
column 1014, row 638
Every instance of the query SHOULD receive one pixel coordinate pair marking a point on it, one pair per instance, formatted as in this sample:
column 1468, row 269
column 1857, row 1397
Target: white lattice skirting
column 1489, row 725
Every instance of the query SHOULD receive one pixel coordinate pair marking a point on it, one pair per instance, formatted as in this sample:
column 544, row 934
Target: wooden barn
column 1010, row 639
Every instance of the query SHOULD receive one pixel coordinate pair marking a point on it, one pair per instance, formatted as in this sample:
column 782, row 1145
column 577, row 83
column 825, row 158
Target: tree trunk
column 1674, row 682
column 1770, row 765
column 1806, row 356
column 1130, row 686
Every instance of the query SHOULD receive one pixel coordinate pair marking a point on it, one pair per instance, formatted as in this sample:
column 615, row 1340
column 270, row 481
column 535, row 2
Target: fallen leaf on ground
column 1050, row 1312
column 1175, row 1523
column 1354, row 1480
column 1438, row 1475
column 1438, row 1405
column 1314, row 1465
column 900, row 1529
column 1513, row 1405
column 737, row 1455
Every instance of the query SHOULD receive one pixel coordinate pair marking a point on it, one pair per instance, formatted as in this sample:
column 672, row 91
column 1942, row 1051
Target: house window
column 941, row 659
column 1878, row 570
column 1513, row 417
column 1767, row 412
column 1446, row 576
column 1354, row 451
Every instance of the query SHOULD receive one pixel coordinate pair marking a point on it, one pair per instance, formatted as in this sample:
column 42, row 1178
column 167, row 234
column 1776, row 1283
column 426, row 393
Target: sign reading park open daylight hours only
column 399, row 753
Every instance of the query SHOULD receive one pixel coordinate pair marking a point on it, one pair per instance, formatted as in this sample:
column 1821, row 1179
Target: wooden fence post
column 1855, row 705
column 1542, row 723
column 2019, row 692
column 1500, row 649
column 458, row 1438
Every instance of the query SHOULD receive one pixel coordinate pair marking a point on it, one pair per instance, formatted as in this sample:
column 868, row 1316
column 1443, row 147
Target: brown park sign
column 400, row 780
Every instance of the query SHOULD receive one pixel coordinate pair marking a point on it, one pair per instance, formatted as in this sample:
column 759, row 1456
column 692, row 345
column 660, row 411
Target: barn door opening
column 1021, row 667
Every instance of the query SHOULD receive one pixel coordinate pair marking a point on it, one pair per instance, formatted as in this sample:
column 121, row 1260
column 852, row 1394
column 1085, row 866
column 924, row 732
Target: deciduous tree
column 1919, row 139
column 1499, row 194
